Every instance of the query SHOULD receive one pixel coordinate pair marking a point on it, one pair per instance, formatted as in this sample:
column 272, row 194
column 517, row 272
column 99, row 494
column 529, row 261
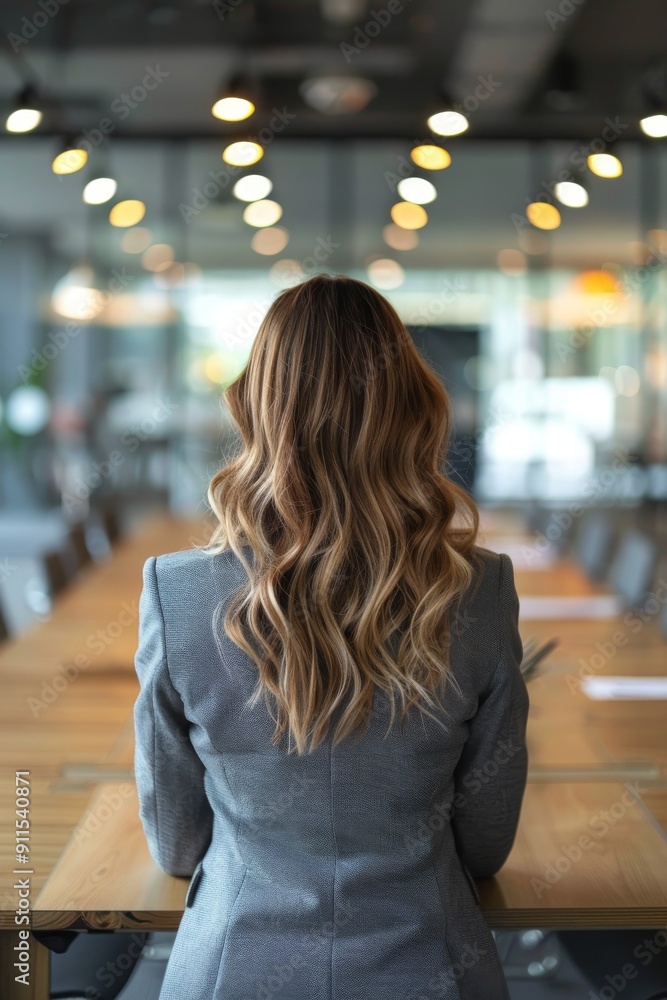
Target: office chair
column 55, row 572
column 632, row 568
column 91, row 964
column 111, row 523
column 78, row 553
column 4, row 631
column 593, row 543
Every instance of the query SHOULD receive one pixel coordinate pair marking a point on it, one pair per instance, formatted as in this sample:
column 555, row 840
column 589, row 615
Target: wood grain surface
column 74, row 735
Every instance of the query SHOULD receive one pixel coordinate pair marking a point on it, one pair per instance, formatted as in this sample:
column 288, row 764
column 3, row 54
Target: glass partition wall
column 117, row 341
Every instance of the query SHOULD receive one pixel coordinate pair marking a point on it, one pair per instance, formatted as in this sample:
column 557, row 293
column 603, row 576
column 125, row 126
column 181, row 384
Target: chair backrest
column 593, row 543
column 75, row 970
column 632, row 567
column 79, row 553
column 4, row 631
column 56, row 574
column 102, row 532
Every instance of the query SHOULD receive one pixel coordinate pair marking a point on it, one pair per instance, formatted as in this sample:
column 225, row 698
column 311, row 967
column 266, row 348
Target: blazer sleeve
column 175, row 812
column 490, row 776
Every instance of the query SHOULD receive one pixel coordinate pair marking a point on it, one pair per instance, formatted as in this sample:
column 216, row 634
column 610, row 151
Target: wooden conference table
column 591, row 849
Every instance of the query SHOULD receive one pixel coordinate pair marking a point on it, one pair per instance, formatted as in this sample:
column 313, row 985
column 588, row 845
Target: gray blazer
column 346, row 873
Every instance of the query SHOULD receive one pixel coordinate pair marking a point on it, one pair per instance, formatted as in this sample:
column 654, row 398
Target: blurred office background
column 526, row 253
column 498, row 168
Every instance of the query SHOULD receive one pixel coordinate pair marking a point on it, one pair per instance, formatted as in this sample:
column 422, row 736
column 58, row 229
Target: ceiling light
column 597, row 282
column 252, row 188
column 75, row 296
column 99, row 190
column 542, row 215
column 386, row 273
column 338, row 95
column 417, row 190
column 26, row 114
column 399, row 239
column 158, row 257
column 234, row 103
column 287, row 272
column 70, row 159
column 571, row 193
column 409, row 216
column 242, row 154
column 232, row 109
column 448, row 121
column 430, row 157
column 136, row 240
column 262, row 213
column 127, row 213
column 270, row 241
column 654, row 126
column 605, row 165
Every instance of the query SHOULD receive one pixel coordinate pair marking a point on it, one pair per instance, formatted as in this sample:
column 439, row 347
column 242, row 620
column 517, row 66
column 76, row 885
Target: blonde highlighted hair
column 353, row 529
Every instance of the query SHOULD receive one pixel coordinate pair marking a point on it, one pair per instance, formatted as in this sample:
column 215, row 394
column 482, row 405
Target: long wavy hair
column 337, row 508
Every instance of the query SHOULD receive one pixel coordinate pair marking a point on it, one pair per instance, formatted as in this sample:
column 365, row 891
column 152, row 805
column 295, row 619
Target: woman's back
column 341, row 873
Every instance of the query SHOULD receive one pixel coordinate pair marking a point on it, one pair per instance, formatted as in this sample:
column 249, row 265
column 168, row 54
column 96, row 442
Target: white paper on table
column 595, row 606
column 625, row 688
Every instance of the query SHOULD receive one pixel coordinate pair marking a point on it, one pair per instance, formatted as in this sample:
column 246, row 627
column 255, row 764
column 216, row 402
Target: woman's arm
column 173, row 807
column 490, row 776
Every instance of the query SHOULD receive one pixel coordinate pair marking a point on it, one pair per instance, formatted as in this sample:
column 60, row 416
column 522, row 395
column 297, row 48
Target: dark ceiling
column 557, row 67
